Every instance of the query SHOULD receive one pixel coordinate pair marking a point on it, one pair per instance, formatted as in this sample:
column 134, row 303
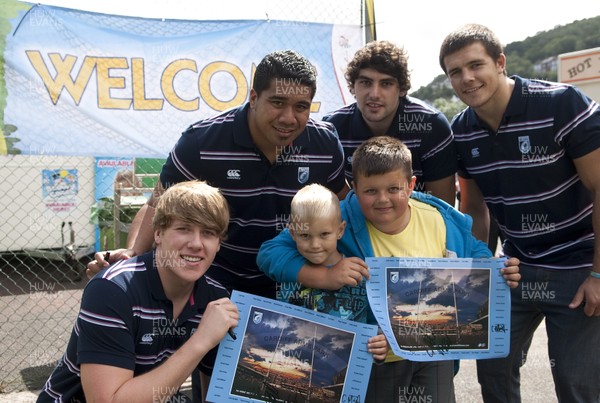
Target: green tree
column 449, row 106
column 9, row 9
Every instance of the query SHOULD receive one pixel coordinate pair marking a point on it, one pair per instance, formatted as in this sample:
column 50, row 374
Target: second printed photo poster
column 285, row 353
column 441, row 309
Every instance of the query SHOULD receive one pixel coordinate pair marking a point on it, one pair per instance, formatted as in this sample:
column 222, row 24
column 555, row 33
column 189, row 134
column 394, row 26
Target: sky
column 285, row 343
column 421, row 32
column 411, row 24
column 437, row 294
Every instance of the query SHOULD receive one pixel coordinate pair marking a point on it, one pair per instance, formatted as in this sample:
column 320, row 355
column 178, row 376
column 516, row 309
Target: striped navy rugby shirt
column 220, row 151
column 526, row 173
column 126, row 321
column 424, row 130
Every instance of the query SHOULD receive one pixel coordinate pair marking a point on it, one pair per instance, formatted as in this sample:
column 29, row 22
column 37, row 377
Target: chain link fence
column 57, row 210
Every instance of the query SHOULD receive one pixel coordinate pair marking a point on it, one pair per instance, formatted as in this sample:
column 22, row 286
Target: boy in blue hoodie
column 385, row 217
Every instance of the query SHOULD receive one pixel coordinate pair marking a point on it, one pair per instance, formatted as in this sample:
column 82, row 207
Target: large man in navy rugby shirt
column 529, row 152
column 259, row 155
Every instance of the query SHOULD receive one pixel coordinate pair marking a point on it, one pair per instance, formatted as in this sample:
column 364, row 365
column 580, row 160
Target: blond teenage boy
column 147, row 322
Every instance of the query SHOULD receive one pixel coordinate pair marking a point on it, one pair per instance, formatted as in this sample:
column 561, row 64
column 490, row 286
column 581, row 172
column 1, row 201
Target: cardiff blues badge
column 257, row 317
column 303, row 174
column 524, row 144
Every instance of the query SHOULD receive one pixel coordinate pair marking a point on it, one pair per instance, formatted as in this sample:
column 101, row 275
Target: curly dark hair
column 383, row 56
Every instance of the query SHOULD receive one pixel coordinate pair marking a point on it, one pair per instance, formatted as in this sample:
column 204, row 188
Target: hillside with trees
column 533, row 57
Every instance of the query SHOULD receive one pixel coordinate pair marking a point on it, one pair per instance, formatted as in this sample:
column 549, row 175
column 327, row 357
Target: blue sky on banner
column 413, row 24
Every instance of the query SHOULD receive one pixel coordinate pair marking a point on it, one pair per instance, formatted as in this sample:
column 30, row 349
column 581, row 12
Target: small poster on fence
column 441, row 309
column 285, row 353
column 59, row 189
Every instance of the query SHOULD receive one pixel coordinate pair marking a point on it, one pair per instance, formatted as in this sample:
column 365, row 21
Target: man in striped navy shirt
column 145, row 323
column 528, row 152
column 259, row 155
column 379, row 79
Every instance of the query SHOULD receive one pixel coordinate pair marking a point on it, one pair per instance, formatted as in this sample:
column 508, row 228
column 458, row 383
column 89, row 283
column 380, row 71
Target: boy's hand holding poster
column 441, row 309
column 285, row 353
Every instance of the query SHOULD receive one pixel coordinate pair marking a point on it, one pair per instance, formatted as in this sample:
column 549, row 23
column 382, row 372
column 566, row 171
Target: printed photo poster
column 285, row 353
column 441, row 309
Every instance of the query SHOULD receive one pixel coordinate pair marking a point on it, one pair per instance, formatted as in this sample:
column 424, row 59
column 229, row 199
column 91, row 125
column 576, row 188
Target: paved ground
column 38, row 305
column 536, row 378
column 537, row 383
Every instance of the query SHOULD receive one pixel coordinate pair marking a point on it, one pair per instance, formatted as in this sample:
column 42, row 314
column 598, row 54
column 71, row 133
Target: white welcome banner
column 82, row 83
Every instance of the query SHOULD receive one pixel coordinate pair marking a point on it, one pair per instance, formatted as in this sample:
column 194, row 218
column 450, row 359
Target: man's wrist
column 131, row 251
column 595, row 274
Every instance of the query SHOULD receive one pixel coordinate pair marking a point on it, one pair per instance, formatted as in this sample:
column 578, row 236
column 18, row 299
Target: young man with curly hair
column 379, row 79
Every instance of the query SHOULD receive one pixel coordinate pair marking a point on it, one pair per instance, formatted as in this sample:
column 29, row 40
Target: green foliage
column 449, row 106
column 9, row 9
column 439, row 88
column 517, row 64
column 578, row 35
column 9, row 142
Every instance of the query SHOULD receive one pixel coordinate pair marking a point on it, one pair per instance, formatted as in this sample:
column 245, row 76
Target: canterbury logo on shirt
column 234, row 174
column 147, row 339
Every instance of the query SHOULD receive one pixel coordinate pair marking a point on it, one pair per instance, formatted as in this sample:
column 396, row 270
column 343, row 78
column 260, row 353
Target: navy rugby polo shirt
column 220, row 151
column 526, row 174
column 126, row 321
column 424, row 130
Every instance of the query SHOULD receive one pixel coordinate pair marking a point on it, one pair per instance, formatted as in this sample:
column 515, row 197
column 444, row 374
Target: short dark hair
column 286, row 64
column 383, row 56
column 379, row 155
column 465, row 36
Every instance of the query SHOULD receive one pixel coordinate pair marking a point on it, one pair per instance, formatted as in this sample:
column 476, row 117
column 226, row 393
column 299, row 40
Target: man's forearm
column 596, row 226
column 444, row 189
column 481, row 226
column 141, row 234
column 155, row 385
column 481, row 220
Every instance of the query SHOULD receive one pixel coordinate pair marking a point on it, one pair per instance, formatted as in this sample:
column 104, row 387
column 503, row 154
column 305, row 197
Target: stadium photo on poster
column 287, row 354
column 437, row 307
column 284, row 358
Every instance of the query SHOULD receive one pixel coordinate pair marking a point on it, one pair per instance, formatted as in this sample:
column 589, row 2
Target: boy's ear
column 412, row 182
column 290, row 228
column 411, row 185
column 341, row 229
